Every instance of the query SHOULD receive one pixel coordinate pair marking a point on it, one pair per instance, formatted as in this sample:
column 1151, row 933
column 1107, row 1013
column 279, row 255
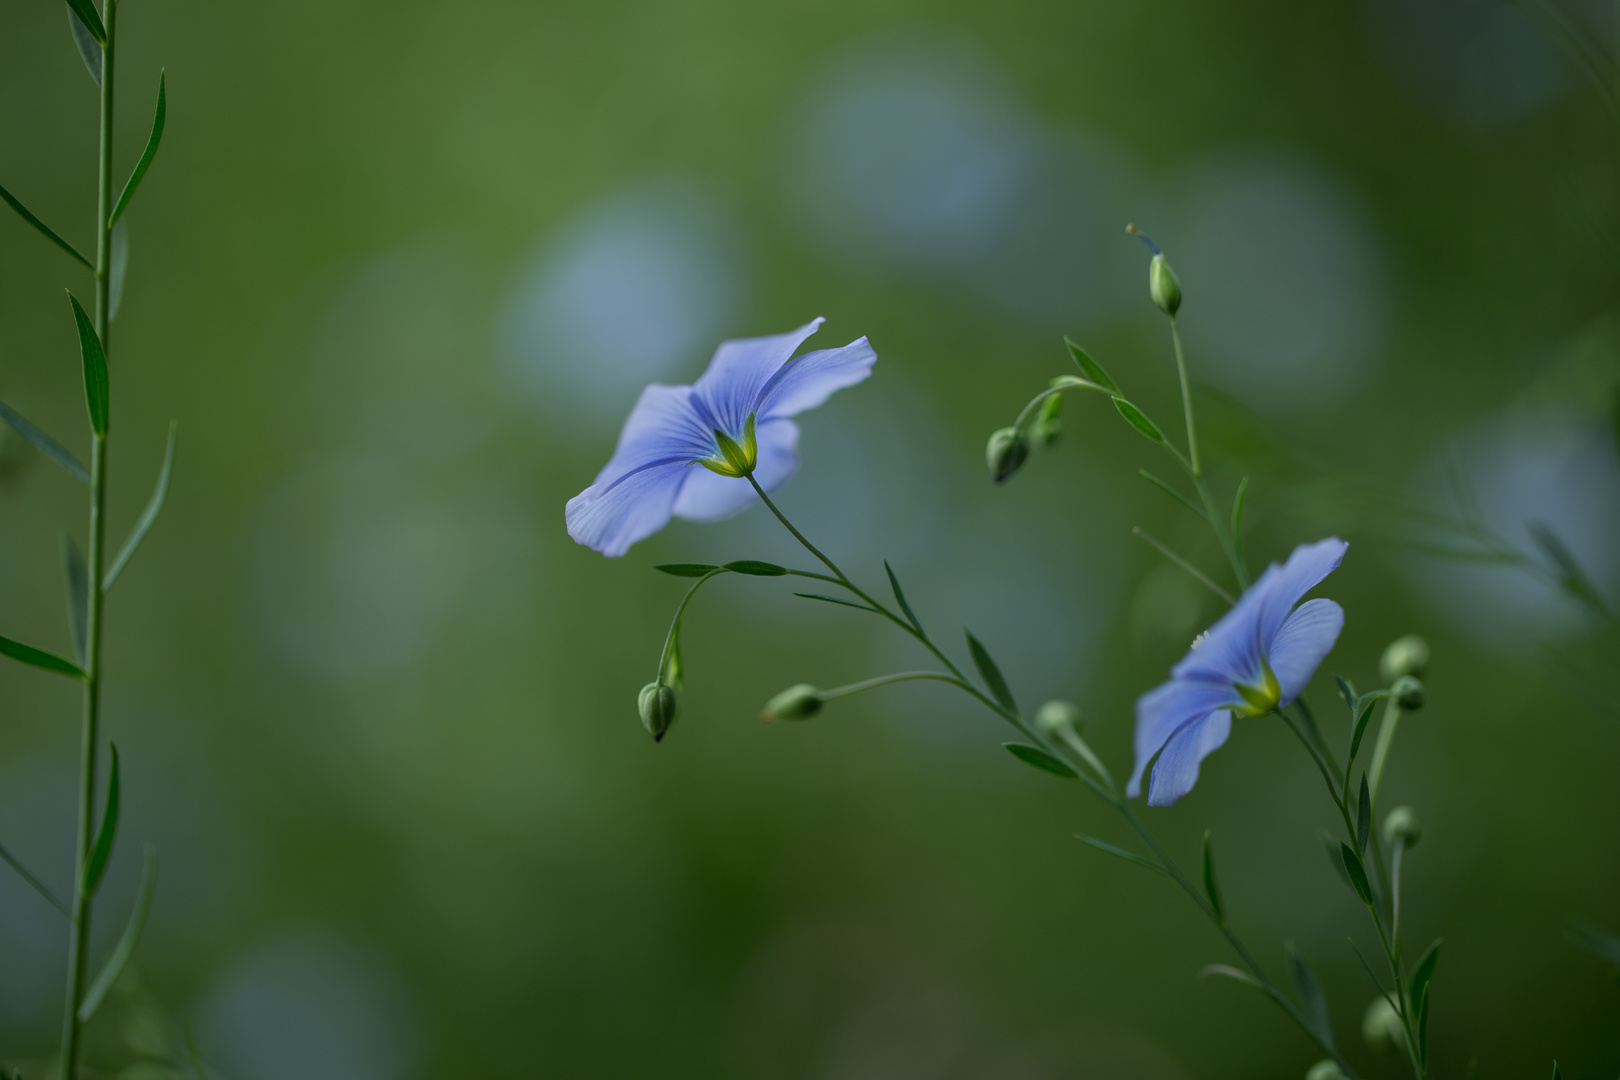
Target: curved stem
column 1186, row 399
column 675, row 623
column 885, row 680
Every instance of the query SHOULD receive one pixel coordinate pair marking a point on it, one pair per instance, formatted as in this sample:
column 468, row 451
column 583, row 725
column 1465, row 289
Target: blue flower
column 1260, row 656
column 733, row 421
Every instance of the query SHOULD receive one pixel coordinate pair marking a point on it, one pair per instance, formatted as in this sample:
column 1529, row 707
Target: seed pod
column 1381, row 1027
column 1408, row 693
column 1407, row 655
column 799, row 702
column 1402, row 827
column 1164, row 286
column 657, row 707
column 1048, row 422
column 1326, row 1069
column 1055, row 716
column 1005, row 453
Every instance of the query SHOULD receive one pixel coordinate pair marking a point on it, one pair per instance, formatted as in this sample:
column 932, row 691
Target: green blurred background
column 399, row 272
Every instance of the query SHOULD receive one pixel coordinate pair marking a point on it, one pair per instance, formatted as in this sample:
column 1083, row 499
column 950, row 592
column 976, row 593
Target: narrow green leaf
column 1361, row 727
column 1346, row 691
column 1094, row 371
column 148, row 516
column 1034, row 755
column 1330, row 845
column 89, row 48
column 1228, row 972
column 1572, row 577
column 1311, row 998
column 1212, row 888
column 96, row 864
column 900, row 598
column 685, row 569
column 1363, row 816
column 1174, row 494
column 86, row 12
column 1556, row 1074
column 990, row 673
column 39, row 658
column 95, row 369
column 119, row 959
column 1138, row 420
column 50, row 234
column 39, row 886
column 755, row 568
column 1357, row 872
column 1237, row 510
column 78, row 594
column 1120, row 853
column 833, row 600
column 1423, row 1032
column 43, row 442
column 147, row 155
column 118, row 268
column 1423, row 973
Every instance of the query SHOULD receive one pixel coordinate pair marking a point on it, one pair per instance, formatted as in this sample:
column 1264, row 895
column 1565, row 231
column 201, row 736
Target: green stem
column 1165, row 550
column 90, row 734
column 885, row 680
column 1186, row 399
column 1386, row 735
column 675, row 623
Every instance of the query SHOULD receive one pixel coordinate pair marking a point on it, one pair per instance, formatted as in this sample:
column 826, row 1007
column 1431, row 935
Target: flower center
column 735, row 459
column 1261, row 699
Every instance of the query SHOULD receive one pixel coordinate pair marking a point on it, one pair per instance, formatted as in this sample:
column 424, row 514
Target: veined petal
column 806, row 381
column 663, row 426
column 730, row 389
column 612, row 517
column 708, row 496
column 1304, row 641
column 1230, row 650
column 1164, row 710
column 1303, row 571
column 1176, row 771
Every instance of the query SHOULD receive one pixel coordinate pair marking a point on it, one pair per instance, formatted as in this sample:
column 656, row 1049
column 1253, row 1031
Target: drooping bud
column 1164, row 285
column 799, row 702
column 1407, row 655
column 1408, row 693
column 1005, row 453
column 657, row 706
column 1056, row 716
column 1401, row 827
column 1048, row 423
column 1326, row 1069
column 1381, row 1027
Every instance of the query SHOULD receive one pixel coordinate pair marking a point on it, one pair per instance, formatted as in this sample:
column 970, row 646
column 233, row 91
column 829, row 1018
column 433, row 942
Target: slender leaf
column 1361, row 727
column 1310, row 995
column 1228, row 972
column 1357, row 872
column 1034, row 755
column 96, row 864
column 1094, row 371
column 148, row 516
column 834, row 600
column 50, row 233
column 900, row 598
column 1572, row 577
column 43, row 442
column 685, row 569
column 1363, row 816
column 1556, row 1074
column 755, row 568
column 1174, row 494
column 39, row 658
column 95, row 369
column 990, row 673
column 1346, row 691
column 1237, row 510
column 78, row 594
column 89, row 48
column 1423, row 973
column 1212, row 888
column 1423, row 1032
column 1137, row 420
column 86, row 12
column 118, row 267
column 1331, row 846
column 147, row 155
column 119, row 959
column 39, row 886
column 1120, row 853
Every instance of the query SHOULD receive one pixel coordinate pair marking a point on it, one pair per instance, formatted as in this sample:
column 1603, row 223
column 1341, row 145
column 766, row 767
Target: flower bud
column 799, row 702
column 1164, row 286
column 1326, row 1069
column 1048, row 424
column 1005, row 452
column 1401, row 827
column 1408, row 655
column 1381, row 1027
column 657, row 705
column 1056, row 716
column 1408, row 693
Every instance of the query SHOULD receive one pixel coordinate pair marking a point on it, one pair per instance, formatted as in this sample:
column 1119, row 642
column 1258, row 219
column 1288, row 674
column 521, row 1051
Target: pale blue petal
column 632, row 508
column 1176, row 771
column 1163, row 710
column 708, row 496
column 1304, row 641
column 1303, row 571
column 730, row 389
column 806, row 381
column 1230, row 650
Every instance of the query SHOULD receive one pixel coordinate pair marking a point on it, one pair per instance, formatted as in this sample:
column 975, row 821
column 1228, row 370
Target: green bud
column 1005, row 452
column 1048, row 425
column 1408, row 693
column 657, row 705
column 1326, row 1069
column 1164, row 286
column 1381, row 1028
column 799, row 702
column 1057, row 716
column 1408, row 655
column 1401, row 827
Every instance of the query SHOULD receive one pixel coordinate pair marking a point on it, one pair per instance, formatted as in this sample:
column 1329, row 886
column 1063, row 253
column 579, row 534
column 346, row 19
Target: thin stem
column 1186, row 399
column 885, row 680
column 1185, row 565
column 675, row 623
column 1386, row 735
column 39, row 886
column 90, row 734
